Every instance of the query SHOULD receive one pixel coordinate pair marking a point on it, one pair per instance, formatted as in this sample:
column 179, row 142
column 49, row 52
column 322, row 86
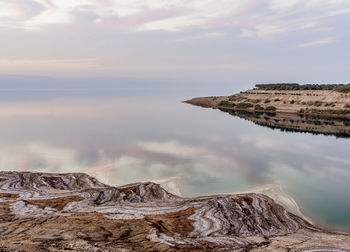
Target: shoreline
column 193, row 102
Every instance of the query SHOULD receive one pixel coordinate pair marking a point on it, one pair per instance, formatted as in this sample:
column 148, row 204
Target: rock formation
column 55, row 212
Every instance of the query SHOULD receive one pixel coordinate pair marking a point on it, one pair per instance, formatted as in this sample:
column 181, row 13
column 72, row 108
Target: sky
column 306, row 41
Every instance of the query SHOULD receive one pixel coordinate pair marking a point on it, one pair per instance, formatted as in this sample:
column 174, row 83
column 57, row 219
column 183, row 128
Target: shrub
column 317, row 103
column 343, row 88
column 271, row 114
column 244, row 105
column 276, row 100
column 271, row 108
column 331, row 104
column 347, row 106
column 255, row 100
column 292, row 102
column 258, row 107
column 267, row 101
column 227, row 104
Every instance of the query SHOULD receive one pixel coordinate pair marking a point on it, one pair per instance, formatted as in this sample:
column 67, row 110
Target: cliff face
column 53, row 212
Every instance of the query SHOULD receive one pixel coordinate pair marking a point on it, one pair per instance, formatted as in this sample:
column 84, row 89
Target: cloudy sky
column 241, row 40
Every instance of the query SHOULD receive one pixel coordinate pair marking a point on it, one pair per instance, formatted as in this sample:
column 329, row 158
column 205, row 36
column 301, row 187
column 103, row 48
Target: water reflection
column 123, row 139
column 316, row 125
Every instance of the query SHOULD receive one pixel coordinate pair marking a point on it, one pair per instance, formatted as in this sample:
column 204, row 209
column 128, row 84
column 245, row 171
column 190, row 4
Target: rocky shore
column 55, row 212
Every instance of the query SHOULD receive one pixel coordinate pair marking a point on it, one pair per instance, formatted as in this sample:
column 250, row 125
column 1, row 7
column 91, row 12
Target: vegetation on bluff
column 296, row 86
column 227, row 104
column 244, row 105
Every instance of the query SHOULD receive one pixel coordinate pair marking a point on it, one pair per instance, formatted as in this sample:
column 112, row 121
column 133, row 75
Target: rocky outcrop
column 55, row 212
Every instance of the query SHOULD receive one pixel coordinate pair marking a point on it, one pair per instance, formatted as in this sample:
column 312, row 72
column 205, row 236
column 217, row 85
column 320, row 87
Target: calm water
column 128, row 135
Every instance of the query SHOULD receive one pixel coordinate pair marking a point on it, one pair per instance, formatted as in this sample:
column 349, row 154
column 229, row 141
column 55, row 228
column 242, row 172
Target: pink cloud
column 20, row 10
column 237, row 17
column 146, row 16
column 151, row 15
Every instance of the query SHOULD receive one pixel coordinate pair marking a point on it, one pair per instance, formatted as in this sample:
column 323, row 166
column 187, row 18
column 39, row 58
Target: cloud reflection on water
column 126, row 140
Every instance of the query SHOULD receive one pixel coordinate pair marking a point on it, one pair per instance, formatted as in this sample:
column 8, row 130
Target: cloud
column 209, row 35
column 29, row 66
column 171, row 148
column 214, row 18
column 283, row 5
column 38, row 156
column 340, row 12
column 148, row 37
column 274, row 27
column 55, row 108
column 261, row 142
column 31, row 14
column 19, row 10
column 284, row 17
column 320, row 42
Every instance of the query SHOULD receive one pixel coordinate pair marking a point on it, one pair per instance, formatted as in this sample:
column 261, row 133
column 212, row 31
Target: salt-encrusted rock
column 54, row 212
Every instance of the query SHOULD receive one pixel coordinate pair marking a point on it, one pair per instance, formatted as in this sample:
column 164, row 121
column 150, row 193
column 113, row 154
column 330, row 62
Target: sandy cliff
column 307, row 102
column 313, row 111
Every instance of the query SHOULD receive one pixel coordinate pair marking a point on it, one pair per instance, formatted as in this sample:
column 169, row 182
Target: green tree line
column 296, row 86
